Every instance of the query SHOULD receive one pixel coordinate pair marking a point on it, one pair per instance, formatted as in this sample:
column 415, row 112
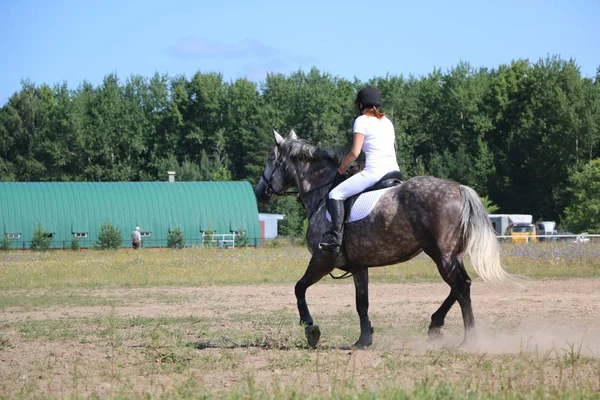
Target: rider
column 374, row 135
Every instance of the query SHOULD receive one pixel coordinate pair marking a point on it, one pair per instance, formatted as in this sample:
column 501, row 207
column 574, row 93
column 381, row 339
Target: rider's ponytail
column 373, row 112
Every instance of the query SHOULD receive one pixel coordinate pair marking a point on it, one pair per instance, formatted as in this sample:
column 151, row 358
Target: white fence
column 219, row 240
column 579, row 238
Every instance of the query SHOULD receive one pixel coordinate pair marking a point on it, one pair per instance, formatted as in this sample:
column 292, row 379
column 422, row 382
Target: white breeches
column 356, row 184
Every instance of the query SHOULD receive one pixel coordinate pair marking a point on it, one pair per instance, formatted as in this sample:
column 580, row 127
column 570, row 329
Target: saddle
column 392, row 178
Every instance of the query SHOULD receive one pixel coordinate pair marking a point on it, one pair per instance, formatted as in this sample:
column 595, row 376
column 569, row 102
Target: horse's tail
column 480, row 239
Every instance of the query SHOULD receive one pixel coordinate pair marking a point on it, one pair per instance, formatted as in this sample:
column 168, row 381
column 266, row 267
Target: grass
column 249, row 266
column 268, row 360
column 63, row 334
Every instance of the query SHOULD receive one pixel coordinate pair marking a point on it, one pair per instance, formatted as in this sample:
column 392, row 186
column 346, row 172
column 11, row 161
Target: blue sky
column 81, row 40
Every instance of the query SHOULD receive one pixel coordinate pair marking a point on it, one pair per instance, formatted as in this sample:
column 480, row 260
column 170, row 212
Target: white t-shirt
column 379, row 145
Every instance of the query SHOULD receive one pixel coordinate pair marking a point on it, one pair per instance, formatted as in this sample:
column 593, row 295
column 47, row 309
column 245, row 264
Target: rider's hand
column 355, row 169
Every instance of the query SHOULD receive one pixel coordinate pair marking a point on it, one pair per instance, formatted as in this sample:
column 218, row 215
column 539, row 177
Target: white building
column 268, row 224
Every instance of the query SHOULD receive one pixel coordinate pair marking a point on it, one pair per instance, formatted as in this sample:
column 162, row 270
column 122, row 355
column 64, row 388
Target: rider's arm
column 354, row 152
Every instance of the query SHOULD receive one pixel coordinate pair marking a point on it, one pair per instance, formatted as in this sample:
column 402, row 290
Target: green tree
column 513, row 133
column 314, row 104
column 583, row 211
column 490, row 207
column 5, row 244
column 25, row 124
column 202, row 112
column 293, row 212
column 246, row 133
column 41, row 239
column 75, row 244
column 175, row 239
column 241, row 239
column 539, row 132
column 469, row 168
column 109, row 237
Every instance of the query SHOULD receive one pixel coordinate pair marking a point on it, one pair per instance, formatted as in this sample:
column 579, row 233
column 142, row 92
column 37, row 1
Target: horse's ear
column 293, row 135
column 278, row 138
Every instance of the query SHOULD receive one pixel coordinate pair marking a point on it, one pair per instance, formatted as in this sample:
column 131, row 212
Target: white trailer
column 501, row 222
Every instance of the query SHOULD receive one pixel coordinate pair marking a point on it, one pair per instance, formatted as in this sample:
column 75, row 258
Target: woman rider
column 374, row 135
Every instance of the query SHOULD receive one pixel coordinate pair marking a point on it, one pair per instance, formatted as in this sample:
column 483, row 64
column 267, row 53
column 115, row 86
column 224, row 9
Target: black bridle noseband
column 269, row 190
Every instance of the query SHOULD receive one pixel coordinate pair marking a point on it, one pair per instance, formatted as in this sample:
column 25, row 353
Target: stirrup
column 332, row 247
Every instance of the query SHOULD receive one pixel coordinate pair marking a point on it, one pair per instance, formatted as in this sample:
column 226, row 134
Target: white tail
column 480, row 238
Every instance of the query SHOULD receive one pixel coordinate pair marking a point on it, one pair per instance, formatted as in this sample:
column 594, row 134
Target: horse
column 442, row 218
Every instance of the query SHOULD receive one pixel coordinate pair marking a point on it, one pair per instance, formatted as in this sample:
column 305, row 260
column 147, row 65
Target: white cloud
column 257, row 71
column 196, row 47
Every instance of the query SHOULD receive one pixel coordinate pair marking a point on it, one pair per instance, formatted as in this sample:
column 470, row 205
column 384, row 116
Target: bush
column 175, row 239
column 75, row 244
column 273, row 243
column 109, row 237
column 241, row 239
column 208, row 239
column 582, row 214
column 5, row 244
column 41, row 239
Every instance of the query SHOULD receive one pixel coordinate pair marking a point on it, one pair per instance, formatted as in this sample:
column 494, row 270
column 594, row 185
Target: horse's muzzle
column 263, row 193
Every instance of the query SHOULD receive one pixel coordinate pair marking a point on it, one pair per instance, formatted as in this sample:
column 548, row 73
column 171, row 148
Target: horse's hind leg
column 361, row 284
column 460, row 284
column 454, row 274
column 320, row 265
column 437, row 318
column 462, row 290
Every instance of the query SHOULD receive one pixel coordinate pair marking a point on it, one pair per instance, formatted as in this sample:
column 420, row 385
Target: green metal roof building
column 69, row 210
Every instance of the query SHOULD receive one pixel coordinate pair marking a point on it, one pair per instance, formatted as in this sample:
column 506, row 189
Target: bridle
column 270, row 190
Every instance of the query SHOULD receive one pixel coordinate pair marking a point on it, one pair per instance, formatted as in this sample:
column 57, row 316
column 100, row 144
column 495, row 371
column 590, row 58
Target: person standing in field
column 136, row 238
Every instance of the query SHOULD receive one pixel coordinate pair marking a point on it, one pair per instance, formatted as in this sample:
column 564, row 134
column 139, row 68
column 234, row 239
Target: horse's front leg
column 320, row 265
column 361, row 284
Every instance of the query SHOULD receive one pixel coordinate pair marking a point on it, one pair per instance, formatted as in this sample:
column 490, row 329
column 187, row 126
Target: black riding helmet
column 368, row 97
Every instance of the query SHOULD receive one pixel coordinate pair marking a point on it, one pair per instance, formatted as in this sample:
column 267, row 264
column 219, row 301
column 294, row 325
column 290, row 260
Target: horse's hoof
column 468, row 344
column 434, row 334
column 362, row 344
column 313, row 334
column 470, row 340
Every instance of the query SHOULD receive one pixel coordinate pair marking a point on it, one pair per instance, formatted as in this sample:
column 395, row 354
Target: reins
column 320, row 203
column 345, row 275
column 269, row 190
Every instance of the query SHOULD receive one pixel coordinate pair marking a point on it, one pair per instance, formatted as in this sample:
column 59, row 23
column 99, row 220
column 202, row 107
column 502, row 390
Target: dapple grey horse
column 444, row 219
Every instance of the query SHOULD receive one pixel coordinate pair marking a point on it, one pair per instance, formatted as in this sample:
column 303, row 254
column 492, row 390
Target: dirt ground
column 543, row 317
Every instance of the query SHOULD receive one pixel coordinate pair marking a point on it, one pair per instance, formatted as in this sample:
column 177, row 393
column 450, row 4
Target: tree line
column 524, row 134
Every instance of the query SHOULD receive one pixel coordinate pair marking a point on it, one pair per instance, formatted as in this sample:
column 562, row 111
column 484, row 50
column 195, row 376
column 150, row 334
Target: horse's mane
column 301, row 150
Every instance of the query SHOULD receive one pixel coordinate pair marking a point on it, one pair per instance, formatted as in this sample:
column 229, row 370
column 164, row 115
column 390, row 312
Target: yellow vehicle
column 522, row 232
column 515, row 227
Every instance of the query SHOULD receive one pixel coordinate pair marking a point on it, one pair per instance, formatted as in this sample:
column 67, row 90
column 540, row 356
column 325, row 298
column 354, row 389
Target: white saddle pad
column 363, row 205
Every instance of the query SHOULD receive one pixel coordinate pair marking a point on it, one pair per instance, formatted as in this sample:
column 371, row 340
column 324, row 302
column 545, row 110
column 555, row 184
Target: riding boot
column 332, row 240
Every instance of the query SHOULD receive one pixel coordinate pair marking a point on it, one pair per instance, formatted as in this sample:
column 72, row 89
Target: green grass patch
column 34, row 302
column 51, row 330
column 244, row 266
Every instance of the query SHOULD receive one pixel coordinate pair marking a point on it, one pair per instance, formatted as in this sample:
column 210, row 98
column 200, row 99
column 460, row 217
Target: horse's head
column 276, row 178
